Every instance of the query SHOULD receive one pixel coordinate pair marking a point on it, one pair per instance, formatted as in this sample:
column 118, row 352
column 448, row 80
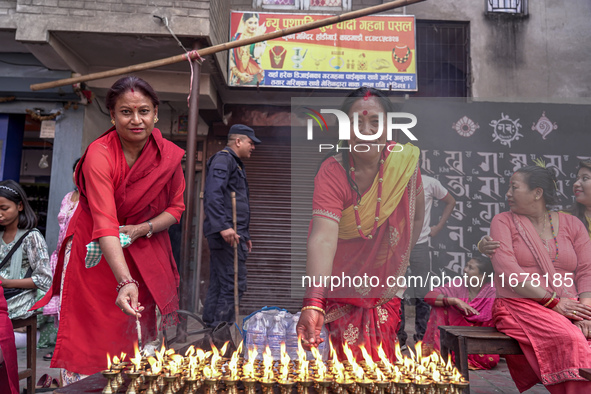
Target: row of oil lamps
column 209, row 372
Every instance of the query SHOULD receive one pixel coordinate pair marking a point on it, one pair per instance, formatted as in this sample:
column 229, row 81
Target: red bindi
column 364, row 112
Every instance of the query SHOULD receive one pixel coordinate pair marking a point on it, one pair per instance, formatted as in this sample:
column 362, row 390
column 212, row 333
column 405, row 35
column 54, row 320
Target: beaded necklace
column 378, row 203
column 554, row 235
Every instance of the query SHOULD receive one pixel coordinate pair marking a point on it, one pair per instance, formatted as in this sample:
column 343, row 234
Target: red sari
column 450, row 316
column 112, row 195
column 369, row 315
column 554, row 348
column 9, row 370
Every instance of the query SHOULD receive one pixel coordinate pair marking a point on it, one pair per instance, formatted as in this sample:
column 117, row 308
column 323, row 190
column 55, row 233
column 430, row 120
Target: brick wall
column 220, row 27
column 189, row 18
column 7, row 7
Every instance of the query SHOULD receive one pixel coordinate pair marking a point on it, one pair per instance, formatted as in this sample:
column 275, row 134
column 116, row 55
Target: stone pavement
column 496, row 380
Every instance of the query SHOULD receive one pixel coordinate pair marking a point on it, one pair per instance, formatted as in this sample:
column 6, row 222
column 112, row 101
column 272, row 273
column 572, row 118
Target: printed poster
column 375, row 51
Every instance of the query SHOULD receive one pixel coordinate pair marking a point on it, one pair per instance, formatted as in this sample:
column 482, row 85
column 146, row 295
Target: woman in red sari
column 368, row 210
column 130, row 181
column 543, row 282
column 469, row 304
column 8, row 356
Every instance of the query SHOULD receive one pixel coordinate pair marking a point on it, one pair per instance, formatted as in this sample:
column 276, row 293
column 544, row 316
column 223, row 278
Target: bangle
column 546, row 299
column 553, row 303
column 550, row 302
column 445, row 301
column 319, row 302
column 478, row 245
column 315, row 308
column 151, row 231
column 127, row 282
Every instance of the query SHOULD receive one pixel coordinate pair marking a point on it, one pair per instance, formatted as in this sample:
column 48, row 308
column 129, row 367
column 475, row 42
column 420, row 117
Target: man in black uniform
column 225, row 174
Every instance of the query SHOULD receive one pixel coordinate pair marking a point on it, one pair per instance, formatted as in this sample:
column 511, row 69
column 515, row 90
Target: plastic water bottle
column 275, row 337
column 291, row 339
column 256, row 336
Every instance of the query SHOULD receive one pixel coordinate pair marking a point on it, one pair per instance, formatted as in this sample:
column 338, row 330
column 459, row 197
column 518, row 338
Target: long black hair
column 544, row 178
column 12, row 191
column 485, row 265
column 361, row 93
column 578, row 209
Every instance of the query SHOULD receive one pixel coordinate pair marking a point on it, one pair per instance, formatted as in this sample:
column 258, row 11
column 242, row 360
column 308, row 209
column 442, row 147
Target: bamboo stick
column 225, row 46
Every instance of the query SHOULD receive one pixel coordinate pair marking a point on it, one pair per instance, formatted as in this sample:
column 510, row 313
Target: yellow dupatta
column 398, row 169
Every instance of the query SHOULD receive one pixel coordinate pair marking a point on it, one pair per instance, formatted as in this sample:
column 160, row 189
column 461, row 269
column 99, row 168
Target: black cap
column 244, row 130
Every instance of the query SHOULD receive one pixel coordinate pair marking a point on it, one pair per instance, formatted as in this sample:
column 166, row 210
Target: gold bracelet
column 551, row 299
column 316, row 308
column 478, row 245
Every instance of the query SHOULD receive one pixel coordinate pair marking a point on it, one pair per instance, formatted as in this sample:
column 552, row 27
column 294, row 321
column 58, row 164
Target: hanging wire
column 164, row 21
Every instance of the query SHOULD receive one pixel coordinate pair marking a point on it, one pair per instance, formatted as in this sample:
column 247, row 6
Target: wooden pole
column 194, row 54
column 235, row 246
column 187, row 232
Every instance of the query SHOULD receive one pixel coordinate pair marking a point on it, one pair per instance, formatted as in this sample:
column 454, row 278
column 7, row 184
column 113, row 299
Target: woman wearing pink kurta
column 543, row 282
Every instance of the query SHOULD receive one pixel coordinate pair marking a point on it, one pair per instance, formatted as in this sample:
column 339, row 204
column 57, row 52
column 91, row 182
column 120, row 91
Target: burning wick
column 139, row 330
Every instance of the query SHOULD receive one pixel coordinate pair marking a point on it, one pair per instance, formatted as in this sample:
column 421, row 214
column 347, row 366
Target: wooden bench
column 474, row 340
column 31, row 324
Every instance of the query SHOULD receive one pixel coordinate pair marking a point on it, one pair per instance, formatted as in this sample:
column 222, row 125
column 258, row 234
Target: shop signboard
column 375, row 51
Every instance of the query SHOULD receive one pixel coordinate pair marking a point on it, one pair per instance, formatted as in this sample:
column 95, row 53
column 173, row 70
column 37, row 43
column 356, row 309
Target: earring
column 113, row 122
column 155, row 119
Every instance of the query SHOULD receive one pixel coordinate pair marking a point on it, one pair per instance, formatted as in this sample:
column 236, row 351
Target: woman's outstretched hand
column 309, row 327
column 127, row 300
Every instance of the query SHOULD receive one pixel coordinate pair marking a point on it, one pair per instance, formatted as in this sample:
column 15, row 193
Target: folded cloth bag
column 94, row 252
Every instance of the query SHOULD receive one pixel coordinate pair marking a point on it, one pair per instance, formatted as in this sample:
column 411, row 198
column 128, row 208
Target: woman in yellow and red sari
column 368, row 210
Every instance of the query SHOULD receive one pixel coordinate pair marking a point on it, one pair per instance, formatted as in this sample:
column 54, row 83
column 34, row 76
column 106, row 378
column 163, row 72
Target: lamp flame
column 233, row 365
column 137, row 360
column 379, row 375
column 436, row 376
column 321, row 370
column 190, row 351
column 368, row 359
column 155, row 365
column 449, row 365
column 108, row 362
column 267, row 365
column 303, row 372
column 397, row 352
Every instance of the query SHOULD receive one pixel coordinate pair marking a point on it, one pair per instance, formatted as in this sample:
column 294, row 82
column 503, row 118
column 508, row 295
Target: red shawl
column 9, row 371
column 91, row 323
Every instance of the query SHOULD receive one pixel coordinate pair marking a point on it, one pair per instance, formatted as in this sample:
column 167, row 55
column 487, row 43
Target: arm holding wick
column 322, row 246
column 127, row 298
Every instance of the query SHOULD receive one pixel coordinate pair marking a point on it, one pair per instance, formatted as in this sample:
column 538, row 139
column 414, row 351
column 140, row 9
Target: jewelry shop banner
column 375, row 51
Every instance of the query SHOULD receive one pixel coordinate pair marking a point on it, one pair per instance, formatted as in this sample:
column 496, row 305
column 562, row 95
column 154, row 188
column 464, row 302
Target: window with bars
column 516, row 7
column 279, row 2
column 442, row 59
column 318, row 5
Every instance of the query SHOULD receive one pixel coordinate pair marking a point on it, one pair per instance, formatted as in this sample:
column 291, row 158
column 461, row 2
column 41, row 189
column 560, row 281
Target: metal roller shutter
column 279, row 223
